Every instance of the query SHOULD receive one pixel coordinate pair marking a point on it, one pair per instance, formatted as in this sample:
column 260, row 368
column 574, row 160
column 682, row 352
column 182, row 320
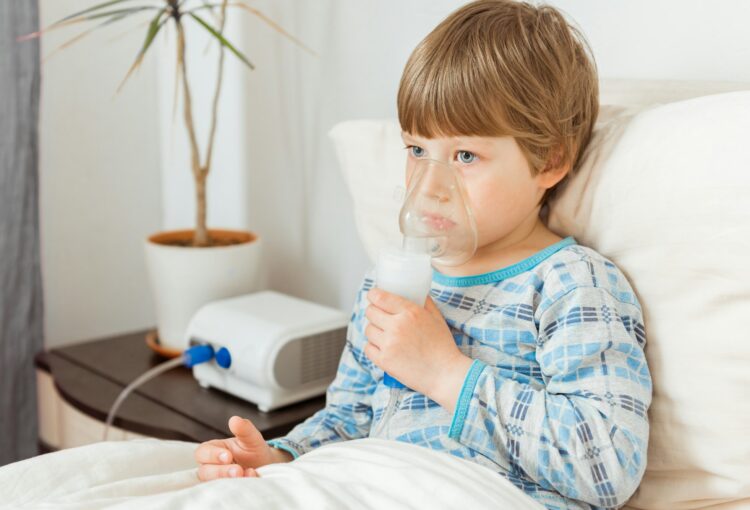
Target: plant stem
column 200, row 237
column 217, row 92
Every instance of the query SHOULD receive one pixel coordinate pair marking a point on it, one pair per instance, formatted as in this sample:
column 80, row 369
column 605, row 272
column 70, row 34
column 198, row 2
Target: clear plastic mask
column 436, row 218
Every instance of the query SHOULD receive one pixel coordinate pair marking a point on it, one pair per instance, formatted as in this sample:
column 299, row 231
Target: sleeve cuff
column 283, row 445
column 464, row 399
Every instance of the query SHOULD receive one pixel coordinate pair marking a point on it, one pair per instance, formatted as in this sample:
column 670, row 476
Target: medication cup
column 408, row 274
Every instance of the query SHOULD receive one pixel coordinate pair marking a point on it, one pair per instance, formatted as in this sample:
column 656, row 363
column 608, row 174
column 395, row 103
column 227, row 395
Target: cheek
column 493, row 210
column 492, row 197
column 498, row 205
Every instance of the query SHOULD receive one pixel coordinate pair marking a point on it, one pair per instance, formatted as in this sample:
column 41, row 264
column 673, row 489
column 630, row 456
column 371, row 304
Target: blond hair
column 504, row 68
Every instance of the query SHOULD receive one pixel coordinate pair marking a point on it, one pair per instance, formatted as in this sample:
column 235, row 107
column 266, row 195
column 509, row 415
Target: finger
column 247, row 435
column 210, row 454
column 251, row 473
column 374, row 335
column 208, row 472
column 372, row 352
column 377, row 316
column 391, row 303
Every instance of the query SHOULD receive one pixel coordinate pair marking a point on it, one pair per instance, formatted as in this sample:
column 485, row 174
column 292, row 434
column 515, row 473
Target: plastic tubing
column 193, row 356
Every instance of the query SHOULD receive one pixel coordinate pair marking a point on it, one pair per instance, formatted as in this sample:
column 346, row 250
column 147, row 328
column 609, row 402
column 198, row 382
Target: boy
column 528, row 358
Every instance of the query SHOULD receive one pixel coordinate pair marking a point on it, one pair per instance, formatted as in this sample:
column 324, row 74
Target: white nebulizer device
column 437, row 224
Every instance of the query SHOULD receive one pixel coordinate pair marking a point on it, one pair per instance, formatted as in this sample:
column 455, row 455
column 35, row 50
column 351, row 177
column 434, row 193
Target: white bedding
column 150, row 473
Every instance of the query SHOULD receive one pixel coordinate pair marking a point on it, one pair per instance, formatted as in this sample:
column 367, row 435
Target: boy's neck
column 527, row 239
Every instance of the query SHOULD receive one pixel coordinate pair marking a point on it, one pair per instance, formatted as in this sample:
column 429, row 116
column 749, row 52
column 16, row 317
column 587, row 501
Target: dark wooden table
column 90, row 375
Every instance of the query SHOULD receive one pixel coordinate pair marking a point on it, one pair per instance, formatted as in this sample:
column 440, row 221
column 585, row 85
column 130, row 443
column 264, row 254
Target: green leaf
column 80, row 36
column 206, row 4
column 116, row 12
column 153, row 29
column 202, row 8
column 265, row 19
column 222, row 40
column 69, row 21
column 91, row 9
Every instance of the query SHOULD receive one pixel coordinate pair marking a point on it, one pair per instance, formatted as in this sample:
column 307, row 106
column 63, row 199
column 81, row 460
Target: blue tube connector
column 223, row 358
column 198, row 354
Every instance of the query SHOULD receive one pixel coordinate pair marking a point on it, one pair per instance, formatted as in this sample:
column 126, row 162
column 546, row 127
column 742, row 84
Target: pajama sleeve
column 348, row 410
column 584, row 432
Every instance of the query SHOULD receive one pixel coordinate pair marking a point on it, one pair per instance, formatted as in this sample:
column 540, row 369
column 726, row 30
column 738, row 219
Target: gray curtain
column 20, row 275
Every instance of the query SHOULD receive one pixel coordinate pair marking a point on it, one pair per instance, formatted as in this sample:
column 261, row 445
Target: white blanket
column 150, row 473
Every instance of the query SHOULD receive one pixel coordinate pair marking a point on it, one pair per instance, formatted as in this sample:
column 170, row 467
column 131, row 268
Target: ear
column 554, row 171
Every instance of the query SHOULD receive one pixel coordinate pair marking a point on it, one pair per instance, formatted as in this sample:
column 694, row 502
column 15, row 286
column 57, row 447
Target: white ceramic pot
column 184, row 278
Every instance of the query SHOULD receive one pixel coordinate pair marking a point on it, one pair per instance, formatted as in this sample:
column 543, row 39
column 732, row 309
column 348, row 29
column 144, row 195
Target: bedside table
column 78, row 383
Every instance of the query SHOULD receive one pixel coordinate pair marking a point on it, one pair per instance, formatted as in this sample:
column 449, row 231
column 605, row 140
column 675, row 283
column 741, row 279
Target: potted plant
column 187, row 268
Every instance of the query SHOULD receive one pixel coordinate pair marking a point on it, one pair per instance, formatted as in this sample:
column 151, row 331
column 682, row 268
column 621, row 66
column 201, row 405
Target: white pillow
column 373, row 162
column 664, row 192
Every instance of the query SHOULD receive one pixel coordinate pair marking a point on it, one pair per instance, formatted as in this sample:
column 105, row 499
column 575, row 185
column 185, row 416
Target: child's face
column 502, row 193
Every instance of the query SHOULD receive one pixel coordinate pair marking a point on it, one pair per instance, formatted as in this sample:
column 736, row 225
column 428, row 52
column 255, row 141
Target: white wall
column 277, row 173
column 100, row 183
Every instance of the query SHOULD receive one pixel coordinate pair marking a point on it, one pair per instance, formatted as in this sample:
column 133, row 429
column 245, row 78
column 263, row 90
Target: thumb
column 245, row 432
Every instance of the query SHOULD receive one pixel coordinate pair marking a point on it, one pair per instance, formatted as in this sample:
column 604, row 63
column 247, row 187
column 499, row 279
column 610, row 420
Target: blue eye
column 466, row 157
column 416, row 151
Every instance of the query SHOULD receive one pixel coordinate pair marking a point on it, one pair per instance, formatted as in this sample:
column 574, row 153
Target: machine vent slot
column 311, row 358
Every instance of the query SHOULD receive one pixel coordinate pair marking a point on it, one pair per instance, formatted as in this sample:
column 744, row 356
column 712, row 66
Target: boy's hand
column 236, row 456
column 415, row 345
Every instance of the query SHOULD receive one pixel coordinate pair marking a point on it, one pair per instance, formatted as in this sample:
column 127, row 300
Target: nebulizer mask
column 437, row 225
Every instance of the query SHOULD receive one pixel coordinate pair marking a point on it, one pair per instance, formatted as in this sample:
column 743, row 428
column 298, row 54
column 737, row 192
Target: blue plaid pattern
column 556, row 399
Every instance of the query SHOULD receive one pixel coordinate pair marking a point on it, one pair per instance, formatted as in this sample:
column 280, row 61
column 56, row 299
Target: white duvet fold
column 150, row 473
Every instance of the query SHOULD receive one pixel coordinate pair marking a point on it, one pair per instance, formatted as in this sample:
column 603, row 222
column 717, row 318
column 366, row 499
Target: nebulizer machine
column 265, row 347
column 437, row 225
